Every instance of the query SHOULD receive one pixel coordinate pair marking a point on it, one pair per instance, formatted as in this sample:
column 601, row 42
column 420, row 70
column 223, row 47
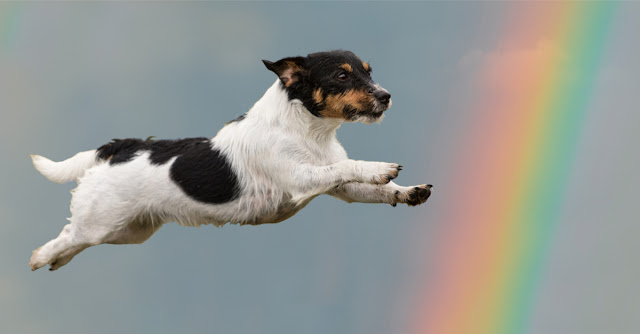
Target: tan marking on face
column 346, row 67
column 292, row 65
column 289, row 76
column 366, row 66
column 317, row 95
column 354, row 99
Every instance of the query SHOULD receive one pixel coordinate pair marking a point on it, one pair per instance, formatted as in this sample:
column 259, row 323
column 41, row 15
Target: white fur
column 282, row 155
column 67, row 170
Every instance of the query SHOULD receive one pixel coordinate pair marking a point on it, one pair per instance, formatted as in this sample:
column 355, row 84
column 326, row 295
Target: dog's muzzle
column 382, row 98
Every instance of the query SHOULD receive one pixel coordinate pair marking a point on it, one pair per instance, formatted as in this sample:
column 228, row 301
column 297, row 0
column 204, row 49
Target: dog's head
column 333, row 84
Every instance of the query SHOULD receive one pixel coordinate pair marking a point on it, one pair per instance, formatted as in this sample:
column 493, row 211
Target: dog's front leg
column 389, row 193
column 321, row 179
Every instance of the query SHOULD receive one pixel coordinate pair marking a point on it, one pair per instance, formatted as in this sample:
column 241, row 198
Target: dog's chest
column 323, row 154
column 279, row 194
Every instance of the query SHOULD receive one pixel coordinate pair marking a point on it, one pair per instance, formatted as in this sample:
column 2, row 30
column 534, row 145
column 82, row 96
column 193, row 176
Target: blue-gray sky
column 74, row 75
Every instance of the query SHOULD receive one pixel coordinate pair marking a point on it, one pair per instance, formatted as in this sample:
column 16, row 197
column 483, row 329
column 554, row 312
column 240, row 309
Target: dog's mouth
column 374, row 115
column 382, row 107
column 378, row 111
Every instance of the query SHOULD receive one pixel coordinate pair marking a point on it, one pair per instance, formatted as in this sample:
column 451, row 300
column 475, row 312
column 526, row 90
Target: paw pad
column 419, row 194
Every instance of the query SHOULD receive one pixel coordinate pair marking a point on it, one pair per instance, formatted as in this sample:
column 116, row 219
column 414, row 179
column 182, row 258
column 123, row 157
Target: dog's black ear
column 287, row 69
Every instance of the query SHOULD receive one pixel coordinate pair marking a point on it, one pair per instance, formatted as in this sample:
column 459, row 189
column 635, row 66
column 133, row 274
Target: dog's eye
column 342, row 76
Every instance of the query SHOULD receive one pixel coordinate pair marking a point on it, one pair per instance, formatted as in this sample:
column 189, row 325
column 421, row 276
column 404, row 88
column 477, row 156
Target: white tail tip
column 67, row 170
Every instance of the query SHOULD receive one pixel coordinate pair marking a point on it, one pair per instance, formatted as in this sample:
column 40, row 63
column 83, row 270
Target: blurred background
column 75, row 75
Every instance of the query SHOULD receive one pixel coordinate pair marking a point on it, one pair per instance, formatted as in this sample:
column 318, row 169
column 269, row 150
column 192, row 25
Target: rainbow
column 530, row 99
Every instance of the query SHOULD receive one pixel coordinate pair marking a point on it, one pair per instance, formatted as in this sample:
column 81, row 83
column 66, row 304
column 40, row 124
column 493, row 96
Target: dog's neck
column 276, row 110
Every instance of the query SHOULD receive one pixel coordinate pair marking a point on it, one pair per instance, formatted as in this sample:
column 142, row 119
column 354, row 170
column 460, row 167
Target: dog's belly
column 276, row 217
column 271, row 215
column 267, row 208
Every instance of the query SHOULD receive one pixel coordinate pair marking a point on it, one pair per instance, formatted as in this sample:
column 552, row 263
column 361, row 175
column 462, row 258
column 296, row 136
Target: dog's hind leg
column 88, row 227
column 95, row 218
column 108, row 206
column 60, row 250
column 133, row 233
column 75, row 238
column 136, row 231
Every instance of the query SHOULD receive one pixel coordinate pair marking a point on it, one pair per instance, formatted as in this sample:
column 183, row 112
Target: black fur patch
column 202, row 172
column 123, row 150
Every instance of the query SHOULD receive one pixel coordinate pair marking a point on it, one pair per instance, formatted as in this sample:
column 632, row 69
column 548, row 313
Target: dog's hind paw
column 35, row 262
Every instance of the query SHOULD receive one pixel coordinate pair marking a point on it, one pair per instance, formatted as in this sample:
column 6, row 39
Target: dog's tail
column 67, row 170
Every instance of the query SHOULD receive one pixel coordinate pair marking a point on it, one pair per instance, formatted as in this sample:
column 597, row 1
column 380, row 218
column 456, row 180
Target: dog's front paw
column 378, row 172
column 414, row 195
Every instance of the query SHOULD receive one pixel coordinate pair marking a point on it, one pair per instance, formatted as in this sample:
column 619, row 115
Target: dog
column 262, row 167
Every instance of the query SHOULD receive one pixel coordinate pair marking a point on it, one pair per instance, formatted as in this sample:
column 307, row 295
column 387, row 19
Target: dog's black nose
column 382, row 95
